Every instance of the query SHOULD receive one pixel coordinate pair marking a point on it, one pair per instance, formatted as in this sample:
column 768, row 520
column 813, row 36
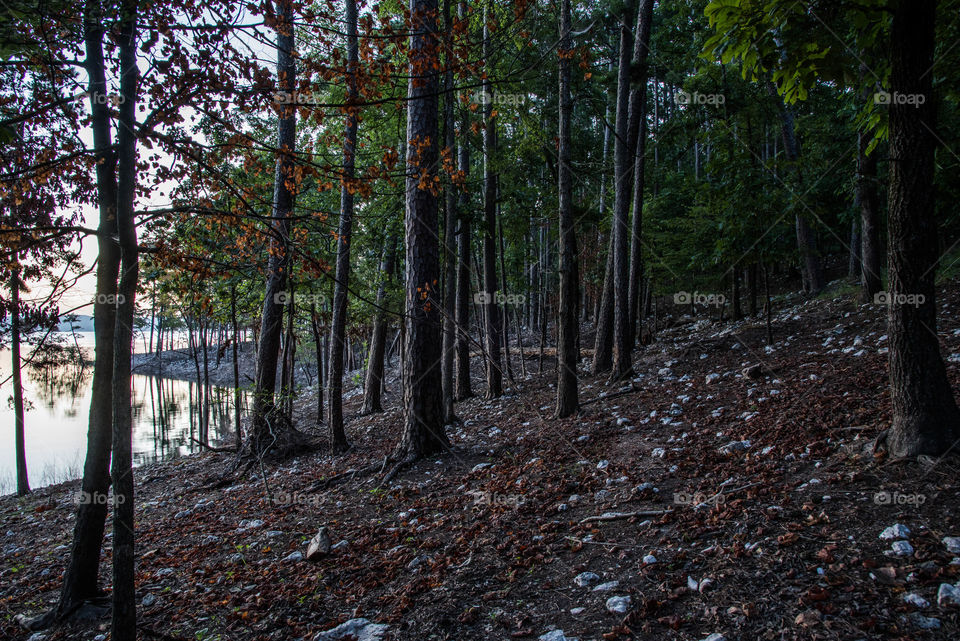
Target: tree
column 449, row 235
column 338, row 439
column 491, row 310
column 925, row 415
column 423, row 431
column 567, row 401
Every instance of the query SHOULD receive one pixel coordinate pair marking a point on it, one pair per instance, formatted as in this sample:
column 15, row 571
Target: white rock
column 586, row 578
column 922, row 622
column 658, row 452
column 948, row 595
column 649, row 559
column 481, row 466
column 249, row 524
column 556, row 635
column 711, row 378
column 576, row 611
column 293, row 557
column 148, row 600
column 716, row 636
column 606, row 587
column 952, row 543
column 319, row 545
column 895, row 531
column 354, row 630
column 901, row 548
column 916, row 600
column 618, row 604
column 604, row 464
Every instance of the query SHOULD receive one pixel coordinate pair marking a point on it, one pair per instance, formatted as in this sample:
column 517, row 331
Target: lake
column 165, row 418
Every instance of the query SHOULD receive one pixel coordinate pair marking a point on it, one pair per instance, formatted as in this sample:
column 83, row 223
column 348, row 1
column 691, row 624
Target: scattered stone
column 915, row 600
column 716, row 636
column 586, row 578
column 606, row 587
column 249, row 524
column 704, row 585
column 924, row 623
column 658, row 452
column 735, row 446
column 319, row 545
column 808, row 618
column 952, row 543
column 649, row 559
column 754, row 371
column 164, row 572
column 901, row 548
column 562, row 507
column 618, row 604
column 556, row 635
column 895, row 531
column 342, row 545
column 354, row 630
column 148, row 600
column 711, row 378
column 210, row 539
column 294, row 557
column 576, row 611
column 948, row 595
column 481, row 466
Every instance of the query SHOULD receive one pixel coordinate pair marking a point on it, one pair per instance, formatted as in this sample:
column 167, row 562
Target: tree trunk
column 602, row 343
column 449, row 242
column 567, row 395
column 868, row 197
column 464, row 251
column 925, row 415
column 423, row 431
column 490, row 286
column 237, row 395
column 373, row 387
column 23, row 484
column 639, row 97
column 338, row 438
column 123, row 625
column 622, row 180
column 318, row 347
column 269, row 431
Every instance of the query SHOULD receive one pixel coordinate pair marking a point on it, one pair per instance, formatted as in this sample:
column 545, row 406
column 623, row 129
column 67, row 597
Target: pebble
column 586, row 578
column 901, row 548
column 948, row 595
column 895, row 531
column 249, row 524
column 604, row 464
column 294, row 556
column 148, row 600
column 716, row 636
column 649, row 559
column 618, row 604
column 481, row 466
column 355, row 630
column 556, row 635
column 952, row 543
column 576, row 611
column 606, row 587
column 916, row 600
column 922, row 622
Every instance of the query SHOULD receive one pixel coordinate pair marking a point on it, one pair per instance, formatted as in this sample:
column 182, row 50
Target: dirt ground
column 750, row 508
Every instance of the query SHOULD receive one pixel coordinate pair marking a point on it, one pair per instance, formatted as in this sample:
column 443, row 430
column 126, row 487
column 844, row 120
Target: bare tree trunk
column 868, row 197
column 567, row 394
column 338, row 438
column 639, row 106
column 80, row 581
column 449, row 242
column 123, row 625
column 23, row 484
column 318, row 347
column 925, row 415
column 373, row 386
column 237, row 396
column 423, row 431
column 490, row 287
column 464, row 251
column 269, row 432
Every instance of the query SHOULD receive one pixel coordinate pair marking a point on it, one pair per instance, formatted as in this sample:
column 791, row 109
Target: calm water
column 165, row 417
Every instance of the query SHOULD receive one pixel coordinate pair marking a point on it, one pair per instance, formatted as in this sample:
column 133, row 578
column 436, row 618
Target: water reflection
column 168, row 419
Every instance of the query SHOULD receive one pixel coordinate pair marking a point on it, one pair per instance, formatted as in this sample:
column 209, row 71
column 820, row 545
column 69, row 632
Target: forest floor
column 759, row 506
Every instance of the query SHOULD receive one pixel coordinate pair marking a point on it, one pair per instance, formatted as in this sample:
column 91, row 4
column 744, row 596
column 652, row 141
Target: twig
column 616, row 516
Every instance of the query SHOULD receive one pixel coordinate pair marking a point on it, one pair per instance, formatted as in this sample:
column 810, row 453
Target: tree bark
column 423, row 431
column 373, row 386
column 338, row 438
column 449, row 241
column 23, row 483
column 464, row 251
column 567, row 394
column 490, row 286
column 269, row 432
column 871, row 268
column 925, row 415
column 123, row 625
